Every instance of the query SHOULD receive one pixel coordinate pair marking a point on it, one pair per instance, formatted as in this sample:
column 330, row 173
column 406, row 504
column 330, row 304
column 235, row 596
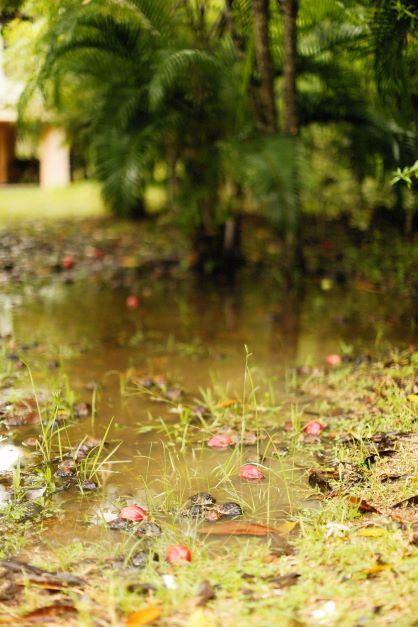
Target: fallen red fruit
column 132, row 302
column 95, row 253
column 333, row 360
column 177, row 554
column 220, row 441
column 251, row 472
column 133, row 513
column 314, row 427
column 68, row 262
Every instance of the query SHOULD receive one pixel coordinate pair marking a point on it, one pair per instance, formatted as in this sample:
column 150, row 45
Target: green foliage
column 148, row 83
column 406, row 175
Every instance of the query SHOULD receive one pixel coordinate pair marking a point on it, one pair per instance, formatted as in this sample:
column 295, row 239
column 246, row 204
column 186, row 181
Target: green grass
column 29, row 202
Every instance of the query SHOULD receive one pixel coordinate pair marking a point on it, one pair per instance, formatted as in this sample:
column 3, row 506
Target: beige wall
column 54, row 157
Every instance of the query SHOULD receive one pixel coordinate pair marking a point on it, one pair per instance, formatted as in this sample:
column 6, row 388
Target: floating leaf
column 313, row 427
column 221, row 441
column 235, row 528
column 251, row 472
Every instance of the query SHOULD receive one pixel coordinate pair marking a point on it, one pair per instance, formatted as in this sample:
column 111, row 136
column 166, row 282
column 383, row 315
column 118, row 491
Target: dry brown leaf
column 227, row 403
column 41, row 613
column 235, row 528
column 146, row 616
column 363, row 505
column 377, row 568
column 409, row 502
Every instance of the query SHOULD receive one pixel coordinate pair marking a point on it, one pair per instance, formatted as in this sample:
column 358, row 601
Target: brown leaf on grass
column 39, row 577
column 409, row 502
column 320, row 479
column 363, row 505
column 374, row 457
column 205, row 593
column 386, row 478
column 146, row 616
column 285, row 581
column 227, row 403
column 377, row 568
column 235, row 528
column 42, row 613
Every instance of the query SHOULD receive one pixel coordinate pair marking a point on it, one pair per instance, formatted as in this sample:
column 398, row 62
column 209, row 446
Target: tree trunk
column 268, row 112
column 290, row 11
column 290, row 126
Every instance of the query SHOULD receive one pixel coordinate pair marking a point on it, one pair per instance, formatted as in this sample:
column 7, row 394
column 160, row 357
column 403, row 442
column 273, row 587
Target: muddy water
column 196, row 336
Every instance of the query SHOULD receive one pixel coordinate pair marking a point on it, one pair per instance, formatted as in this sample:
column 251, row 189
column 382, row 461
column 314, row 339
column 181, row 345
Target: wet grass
column 347, row 556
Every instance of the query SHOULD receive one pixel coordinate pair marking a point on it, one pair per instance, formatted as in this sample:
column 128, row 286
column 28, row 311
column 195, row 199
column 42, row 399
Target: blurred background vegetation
column 293, row 113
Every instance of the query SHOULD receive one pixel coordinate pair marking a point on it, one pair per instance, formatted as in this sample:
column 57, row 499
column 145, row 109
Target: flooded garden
column 208, row 313
column 176, row 443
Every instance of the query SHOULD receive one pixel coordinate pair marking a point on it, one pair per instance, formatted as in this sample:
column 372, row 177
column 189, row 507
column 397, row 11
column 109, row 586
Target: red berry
column 133, row 513
column 177, row 554
column 314, row 427
column 333, row 360
column 220, row 441
column 250, row 472
column 132, row 302
column 68, row 262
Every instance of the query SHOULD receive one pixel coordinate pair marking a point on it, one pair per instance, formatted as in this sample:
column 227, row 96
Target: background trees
column 239, row 103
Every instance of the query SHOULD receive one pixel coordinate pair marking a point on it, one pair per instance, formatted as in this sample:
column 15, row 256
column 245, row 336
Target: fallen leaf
column 333, row 360
column 144, row 617
column 228, row 403
column 313, row 427
column 235, row 528
column 319, row 479
column 413, row 398
column 285, row 581
column 251, row 472
column 205, row 593
column 221, row 441
column 410, row 501
column 48, row 611
column 371, row 532
column 178, row 554
column 287, row 527
column 134, row 513
column 377, row 568
column 363, row 505
column 39, row 577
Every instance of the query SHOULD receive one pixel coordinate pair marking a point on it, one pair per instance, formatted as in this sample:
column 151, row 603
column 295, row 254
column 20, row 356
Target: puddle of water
column 193, row 334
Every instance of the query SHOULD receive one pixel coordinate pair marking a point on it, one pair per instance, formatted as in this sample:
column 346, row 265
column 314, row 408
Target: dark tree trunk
column 289, row 10
column 290, row 119
column 268, row 111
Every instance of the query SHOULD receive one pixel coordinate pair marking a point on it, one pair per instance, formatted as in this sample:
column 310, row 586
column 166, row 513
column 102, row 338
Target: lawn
column 29, row 202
